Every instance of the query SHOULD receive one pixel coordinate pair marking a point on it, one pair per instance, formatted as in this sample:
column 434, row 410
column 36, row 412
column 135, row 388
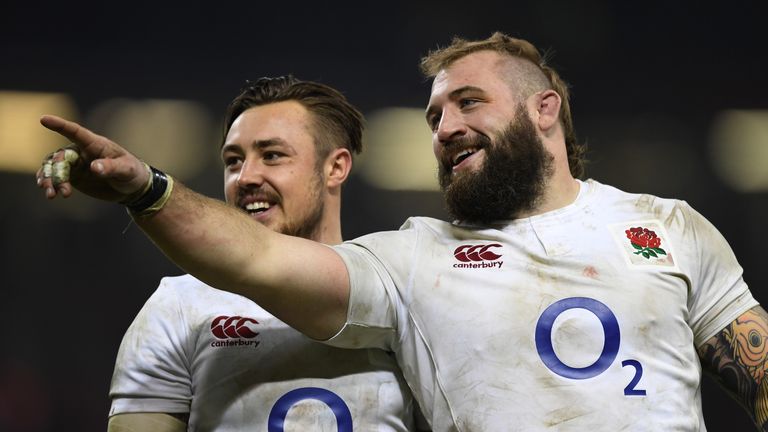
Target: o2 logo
column 607, row 356
column 276, row 421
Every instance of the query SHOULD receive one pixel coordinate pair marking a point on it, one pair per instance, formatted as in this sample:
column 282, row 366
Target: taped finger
column 47, row 168
column 71, row 156
column 60, row 173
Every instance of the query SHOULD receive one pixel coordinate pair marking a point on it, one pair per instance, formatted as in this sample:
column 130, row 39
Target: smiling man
column 601, row 317
column 273, row 171
column 197, row 358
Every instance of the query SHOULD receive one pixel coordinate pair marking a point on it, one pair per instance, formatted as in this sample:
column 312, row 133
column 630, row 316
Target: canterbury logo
column 467, row 253
column 477, row 256
column 233, row 327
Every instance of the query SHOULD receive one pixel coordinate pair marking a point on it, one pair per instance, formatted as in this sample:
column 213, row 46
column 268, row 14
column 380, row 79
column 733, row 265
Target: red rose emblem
column 645, row 241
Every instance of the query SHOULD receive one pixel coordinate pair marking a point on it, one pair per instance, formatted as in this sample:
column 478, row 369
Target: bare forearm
column 301, row 282
column 214, row 241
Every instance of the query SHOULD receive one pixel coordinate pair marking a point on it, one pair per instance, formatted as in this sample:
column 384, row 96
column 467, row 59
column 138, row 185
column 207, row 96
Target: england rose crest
column 646, row 242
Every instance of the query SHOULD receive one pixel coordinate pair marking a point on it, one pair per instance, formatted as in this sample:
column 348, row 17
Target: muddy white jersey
column 234, row 367
column 586, row 318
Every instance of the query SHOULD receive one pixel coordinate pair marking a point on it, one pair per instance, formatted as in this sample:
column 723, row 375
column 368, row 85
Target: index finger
column 79, row 135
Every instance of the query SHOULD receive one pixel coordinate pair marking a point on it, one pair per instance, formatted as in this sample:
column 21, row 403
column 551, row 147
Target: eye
column 433, row 122
column 232, row 161
column 272, row 156
column 467, row 102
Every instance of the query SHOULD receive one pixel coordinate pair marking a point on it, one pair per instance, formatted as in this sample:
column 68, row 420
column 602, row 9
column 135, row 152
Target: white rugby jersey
column 234, row 367
column 586, row 318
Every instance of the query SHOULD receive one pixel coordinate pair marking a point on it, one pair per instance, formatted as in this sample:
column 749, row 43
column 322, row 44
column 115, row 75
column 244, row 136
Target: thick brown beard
column 511, row 180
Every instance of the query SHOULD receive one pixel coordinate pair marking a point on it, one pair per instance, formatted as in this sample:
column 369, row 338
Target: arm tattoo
column 738, row 359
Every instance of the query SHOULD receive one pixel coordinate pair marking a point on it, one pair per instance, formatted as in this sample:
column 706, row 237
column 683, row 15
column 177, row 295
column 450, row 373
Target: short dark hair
column 442, row 58
column 337, row 123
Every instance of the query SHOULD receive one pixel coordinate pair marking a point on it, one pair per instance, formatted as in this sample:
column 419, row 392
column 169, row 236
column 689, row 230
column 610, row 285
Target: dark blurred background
column 670, row 97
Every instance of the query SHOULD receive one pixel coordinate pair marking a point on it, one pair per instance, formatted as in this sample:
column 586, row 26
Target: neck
column 328, row 231
column 561, row 191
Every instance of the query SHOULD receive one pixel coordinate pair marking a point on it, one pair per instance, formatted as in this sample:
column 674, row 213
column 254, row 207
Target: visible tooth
column 458, row 156
column 462, row 153
column 257, row 205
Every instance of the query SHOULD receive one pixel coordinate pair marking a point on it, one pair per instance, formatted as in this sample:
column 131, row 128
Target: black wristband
column 151, row 196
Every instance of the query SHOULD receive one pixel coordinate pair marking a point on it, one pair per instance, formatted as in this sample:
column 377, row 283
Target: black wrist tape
column 151, row 196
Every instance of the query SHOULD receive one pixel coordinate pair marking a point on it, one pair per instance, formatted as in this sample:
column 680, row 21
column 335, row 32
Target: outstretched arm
column 738, row 359
column 301, row 282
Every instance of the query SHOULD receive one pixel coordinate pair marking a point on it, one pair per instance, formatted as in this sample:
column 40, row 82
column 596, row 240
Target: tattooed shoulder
column 737, row 357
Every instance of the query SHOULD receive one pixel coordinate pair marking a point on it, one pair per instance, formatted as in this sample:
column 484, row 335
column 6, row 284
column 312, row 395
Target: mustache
column 464, row 142
column 511, row 180
column 260, row 193
column 478, row 140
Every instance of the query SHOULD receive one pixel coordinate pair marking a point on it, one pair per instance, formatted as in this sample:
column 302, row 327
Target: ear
column 337, row 167
column 548, row 109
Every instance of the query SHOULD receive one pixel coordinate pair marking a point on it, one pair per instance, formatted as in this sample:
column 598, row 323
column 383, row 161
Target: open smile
column 260, row 210
column 464, row 158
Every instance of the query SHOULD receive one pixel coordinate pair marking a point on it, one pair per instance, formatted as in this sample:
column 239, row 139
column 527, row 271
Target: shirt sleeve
column 719, row 294
column 379, row 267
column 152, row 373
column 371, row 317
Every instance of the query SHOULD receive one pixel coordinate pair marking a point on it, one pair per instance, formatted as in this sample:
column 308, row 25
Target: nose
column 451, row 126
column 250, row 174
